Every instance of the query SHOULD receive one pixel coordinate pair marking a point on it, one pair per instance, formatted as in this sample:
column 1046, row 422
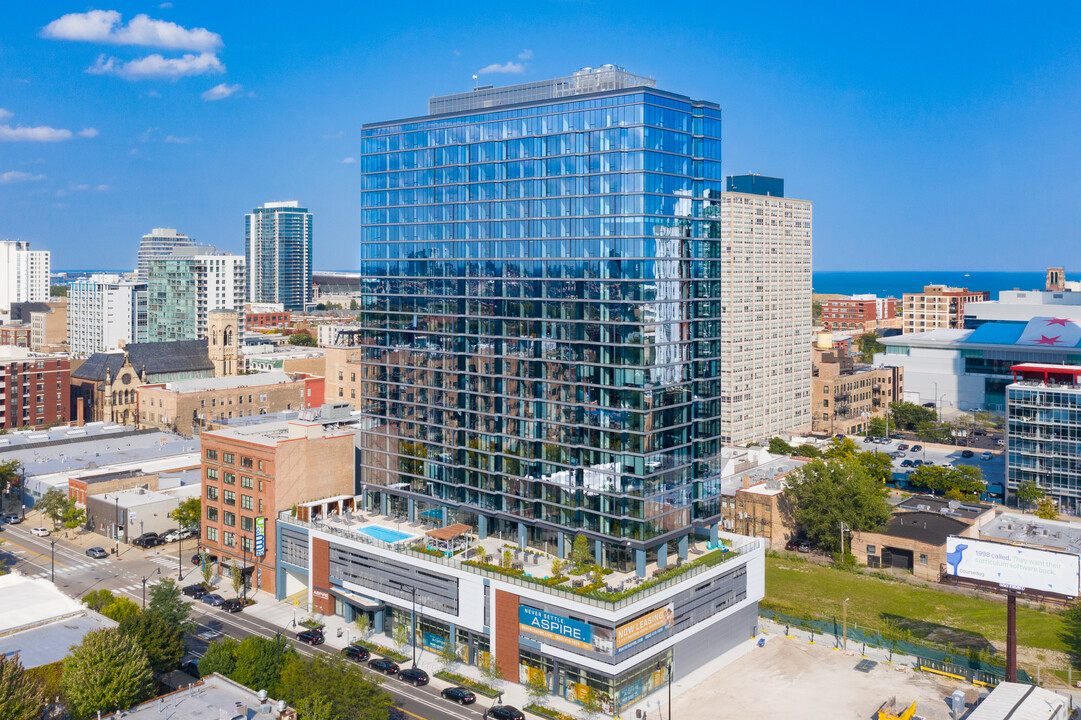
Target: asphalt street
column 76, row 574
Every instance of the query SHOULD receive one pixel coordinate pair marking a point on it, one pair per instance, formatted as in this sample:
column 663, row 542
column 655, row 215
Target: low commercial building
column 621, row 641
column 1031, row 531
column 1022, row 701
column 34, row 388
column 260, row 316
column 753, row 501
column 912, row 541
column 860, row 313
column 189, row 406
column 284, row 358
column 1043, row 431
column 845, row 395
column 40, row 623
column 938, row 306
column 127, row 514
column 252, row 472
column 214, row 697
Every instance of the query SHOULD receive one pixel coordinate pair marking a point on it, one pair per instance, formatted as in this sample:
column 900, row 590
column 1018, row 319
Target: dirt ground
column 794, row 680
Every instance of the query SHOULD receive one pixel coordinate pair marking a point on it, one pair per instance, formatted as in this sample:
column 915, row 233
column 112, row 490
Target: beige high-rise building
column 765, row 331
column 938, row 306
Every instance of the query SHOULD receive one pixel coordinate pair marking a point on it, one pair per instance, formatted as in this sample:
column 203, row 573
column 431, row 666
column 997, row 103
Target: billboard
column 1013, row 567
column 642, row 628
column 555, row 627
column 260, row 536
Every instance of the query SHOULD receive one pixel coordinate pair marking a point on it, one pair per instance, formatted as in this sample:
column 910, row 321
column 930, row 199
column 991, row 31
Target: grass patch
column 481, row 688
column 548, row 712
column 797, row 588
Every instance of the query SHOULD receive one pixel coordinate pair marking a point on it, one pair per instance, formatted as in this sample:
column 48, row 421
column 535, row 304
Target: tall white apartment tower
column 278, row 248
column 105, row 312
column 158, row 243
column 24, row 275
column 765, row 368
column 186, row 285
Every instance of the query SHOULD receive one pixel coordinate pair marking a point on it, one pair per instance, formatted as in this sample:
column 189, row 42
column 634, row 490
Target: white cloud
column 153, row 94
column 348, row 160
column 456, row 53
column 4, row 114
column 220, row 92
column 525, row 55
column 507, row 67
column 104, row 26
column 43, row 133
column 156, row 66
column 88, row 132
column 165, row 5
column 173, row 139
column 17, row 176
column 102, row 188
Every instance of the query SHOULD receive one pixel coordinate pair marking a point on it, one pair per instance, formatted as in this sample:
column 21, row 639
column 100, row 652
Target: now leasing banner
column 640, row 629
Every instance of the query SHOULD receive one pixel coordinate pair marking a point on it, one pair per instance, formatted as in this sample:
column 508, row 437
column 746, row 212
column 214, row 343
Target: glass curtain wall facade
column 541, row 316
column 278, row 249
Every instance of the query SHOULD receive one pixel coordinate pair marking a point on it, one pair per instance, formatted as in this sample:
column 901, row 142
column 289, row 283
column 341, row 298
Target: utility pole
column 844, row 623
column 52, row 560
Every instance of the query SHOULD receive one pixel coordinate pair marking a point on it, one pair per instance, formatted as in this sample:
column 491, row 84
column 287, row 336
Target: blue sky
column 929, row 136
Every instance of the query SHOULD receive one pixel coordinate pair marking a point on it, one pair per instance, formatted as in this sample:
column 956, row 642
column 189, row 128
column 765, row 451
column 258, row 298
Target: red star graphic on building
column 1058, row 321
column 1044, row 340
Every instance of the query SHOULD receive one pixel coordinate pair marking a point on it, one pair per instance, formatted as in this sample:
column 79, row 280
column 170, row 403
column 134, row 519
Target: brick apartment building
column 186, row 406
column 859, row 313
column 938, row 306
column 34, row 388
column 845, row 395
column 253, row 472
column 17, row 334
column 263, row 316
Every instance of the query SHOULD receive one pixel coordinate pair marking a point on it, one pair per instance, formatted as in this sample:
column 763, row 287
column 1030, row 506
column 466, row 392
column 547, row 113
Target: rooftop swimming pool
column 385, row 534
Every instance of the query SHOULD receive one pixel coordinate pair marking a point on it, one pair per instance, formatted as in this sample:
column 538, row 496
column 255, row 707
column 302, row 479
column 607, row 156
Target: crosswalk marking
column 165, row 561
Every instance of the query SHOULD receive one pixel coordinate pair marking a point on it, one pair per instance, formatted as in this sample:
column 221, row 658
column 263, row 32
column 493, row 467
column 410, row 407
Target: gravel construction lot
column 790, row 679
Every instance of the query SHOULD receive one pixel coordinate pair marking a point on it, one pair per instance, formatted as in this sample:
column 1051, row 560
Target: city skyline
column 114, row 123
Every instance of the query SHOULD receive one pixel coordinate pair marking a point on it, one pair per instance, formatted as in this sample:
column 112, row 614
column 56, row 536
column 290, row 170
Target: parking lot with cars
column 910, row 454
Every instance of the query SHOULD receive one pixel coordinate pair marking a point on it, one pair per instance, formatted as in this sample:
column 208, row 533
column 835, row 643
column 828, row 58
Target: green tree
column 488, row 668
column 188, row 513
column 73, row 516
column 447, row 655
column 9, row 473
column 1028, row 493
column 877, row 427
column 537, row 688
column 108, row 670
column 963, row 482
column 98, row 599
column 1070, row 632
column 331, row 677
column 807, row 450
column 910, row 415
column 401, row 634
column 580, row 553
column 236, row 577
column 363, row 624
column 315, row 707
column 841, row 448
column 1046, row 509
column 591, row 704
column 21, row 697
column 778, row 446
column 259, row 662
column 120, row 608
column 162, row 641
column 52, row 505
column 868, row 345
column 206, row 569
column 302, row 339
column 58, row 291
column 816, row 311
column 168, row 602
column 878, row 465
column 220, row 657
column 825, row 494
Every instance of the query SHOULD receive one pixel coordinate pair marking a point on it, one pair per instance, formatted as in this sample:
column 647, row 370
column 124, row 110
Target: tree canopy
column 108, row 670
column 825, row 494
column 1046, row 509
column 779, row 446
column 188, row 513
column 167, row 601
column 910, row 416
column 220, row 657
column 961, row 482
column 1028, row 493
column 332, row 678
column 302, row 339
column 21, row 697
column 52, row 505
column 868, row 345
column 161, row 640
column 841, row 448
column 9, row 473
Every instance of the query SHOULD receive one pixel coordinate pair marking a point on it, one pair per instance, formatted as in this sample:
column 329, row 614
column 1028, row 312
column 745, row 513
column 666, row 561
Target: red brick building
column 34, row 388
column 860, row 313
column 17, row 334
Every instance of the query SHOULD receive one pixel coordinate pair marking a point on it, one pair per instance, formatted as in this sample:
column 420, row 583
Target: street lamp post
column 156, row 572
column 844, row 529
column 52, row 560
column 116, row 526
column 413, row 618
column 668, row 678
column 844, row 623
column 180, row 557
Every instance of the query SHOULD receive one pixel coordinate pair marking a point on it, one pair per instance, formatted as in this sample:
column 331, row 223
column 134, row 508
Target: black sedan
column 213, row 599
column 414, row 675
column 97, row 553
column 232, row 605
column 356, row 652
column 504, row 712
column 194, row 591
column 460, row 695
column 387, row 667
column 312, row 637
column 198, row 559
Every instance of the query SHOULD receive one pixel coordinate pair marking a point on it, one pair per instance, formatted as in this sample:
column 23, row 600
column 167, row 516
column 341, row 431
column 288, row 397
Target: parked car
column 357, row 653
column 232, row 605
column 197, row 559
column 191, row 667
column 986, row 455
column 1000, row 443
column 897, row 436
column 917, row 448
column 414, row 675
column 868, row 439
column 966, row 453
column 387, row 667
column 977, row 431
column 460, row 695
column 312, row 637
column 12, row 519
column 40, row 531
column 213, row 599
column 503, row 712
column 928, row 462
column 917, row 462
column 903, row 446
column 148, row 540
column 906, row 463
column 174, row 535
column 804, row 547
column 196, row 591
column 97, row 553
column 962, row 442
column 929, row 405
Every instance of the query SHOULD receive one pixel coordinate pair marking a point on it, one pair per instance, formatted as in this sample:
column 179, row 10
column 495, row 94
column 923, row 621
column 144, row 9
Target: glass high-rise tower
column 278, row 250
column 541, row 313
